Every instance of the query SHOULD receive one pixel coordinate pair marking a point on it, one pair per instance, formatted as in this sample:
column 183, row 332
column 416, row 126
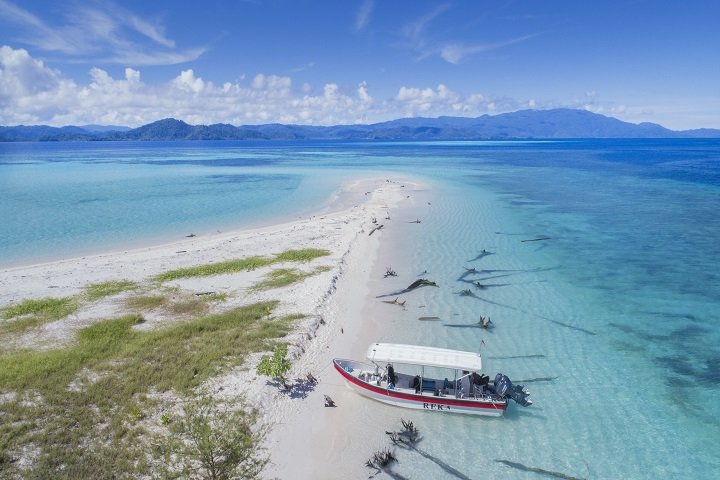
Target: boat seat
column 428, row 385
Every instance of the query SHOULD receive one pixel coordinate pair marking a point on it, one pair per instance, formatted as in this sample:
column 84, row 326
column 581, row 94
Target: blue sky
column 342, row 61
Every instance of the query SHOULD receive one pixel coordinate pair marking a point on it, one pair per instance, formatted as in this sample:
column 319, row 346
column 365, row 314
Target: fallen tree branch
column 395, row 302
column 535, row 239
column 421, row 283
column 375, row 229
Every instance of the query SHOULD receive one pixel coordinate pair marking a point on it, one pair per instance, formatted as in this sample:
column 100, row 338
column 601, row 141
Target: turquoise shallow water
column 61, row 200
column 612, row 321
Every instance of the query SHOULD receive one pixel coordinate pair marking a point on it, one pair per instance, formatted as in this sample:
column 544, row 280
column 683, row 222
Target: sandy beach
column 342, row 313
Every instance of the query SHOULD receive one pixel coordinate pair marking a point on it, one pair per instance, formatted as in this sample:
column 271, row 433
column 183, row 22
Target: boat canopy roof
column 419, row 355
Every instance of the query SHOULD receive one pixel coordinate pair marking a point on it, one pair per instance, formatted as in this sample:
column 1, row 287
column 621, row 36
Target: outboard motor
column 505, row 388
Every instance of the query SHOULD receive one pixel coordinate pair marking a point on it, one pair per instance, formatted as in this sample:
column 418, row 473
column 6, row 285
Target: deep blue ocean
column 613, row 321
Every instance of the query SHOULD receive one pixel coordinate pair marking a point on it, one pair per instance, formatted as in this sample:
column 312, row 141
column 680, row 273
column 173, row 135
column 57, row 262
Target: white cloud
column 39, row 34
column 415, row 35
column 189, row 82
column 153, row 32
column 22, row 75
column 363, row 93
column 424, row 100
column 33, row 93
column 140, row 58
column 429, row 102
column 132, row 76
column 454, row 53
column 106, row 33
column 362, row 18
column 30, row 92
column 258, row 81
column 330, row 90
column 415, row 30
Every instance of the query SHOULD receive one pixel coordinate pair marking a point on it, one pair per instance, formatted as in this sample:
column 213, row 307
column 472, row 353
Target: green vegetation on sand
column 81, row 409
column 96, row 291
column 31, row 313
column 283, row 277
column 242, row 264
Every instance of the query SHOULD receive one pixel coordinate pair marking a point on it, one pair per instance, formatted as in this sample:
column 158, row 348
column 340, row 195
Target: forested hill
column 523, row 124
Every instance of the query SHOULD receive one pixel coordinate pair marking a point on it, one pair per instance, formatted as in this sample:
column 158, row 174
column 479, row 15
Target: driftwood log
column 375, row 229
column 535, row 239
column 420, row 283
column 417, row 283
column 480, row 255
column 395, row 302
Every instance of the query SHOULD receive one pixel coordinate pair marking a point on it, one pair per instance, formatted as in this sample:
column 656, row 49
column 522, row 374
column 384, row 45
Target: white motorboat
column 464, row 390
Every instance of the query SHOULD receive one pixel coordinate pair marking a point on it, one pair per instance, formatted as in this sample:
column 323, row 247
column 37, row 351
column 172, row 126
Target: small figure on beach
column 485, row 322
column 329, row 402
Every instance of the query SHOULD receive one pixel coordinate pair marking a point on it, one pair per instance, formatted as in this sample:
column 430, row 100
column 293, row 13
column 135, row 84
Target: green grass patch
column 220, row 268
column 174, row 303
column 282, row 277
column 96, row 291
column 295, row 316
column 303, row 255
column 242, row 264
column 94, row 431
column 146, row 302
column 191, row 305
column 33, row 313
column 21, row 325
column 50, row 308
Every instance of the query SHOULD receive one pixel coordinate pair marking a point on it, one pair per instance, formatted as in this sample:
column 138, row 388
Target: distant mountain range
column 523, row 124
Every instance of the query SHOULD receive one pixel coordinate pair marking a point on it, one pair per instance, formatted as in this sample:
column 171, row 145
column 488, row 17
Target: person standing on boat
column 391, row 378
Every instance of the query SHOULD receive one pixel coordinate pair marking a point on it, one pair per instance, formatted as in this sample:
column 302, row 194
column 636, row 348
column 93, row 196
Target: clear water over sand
column 611, row 322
